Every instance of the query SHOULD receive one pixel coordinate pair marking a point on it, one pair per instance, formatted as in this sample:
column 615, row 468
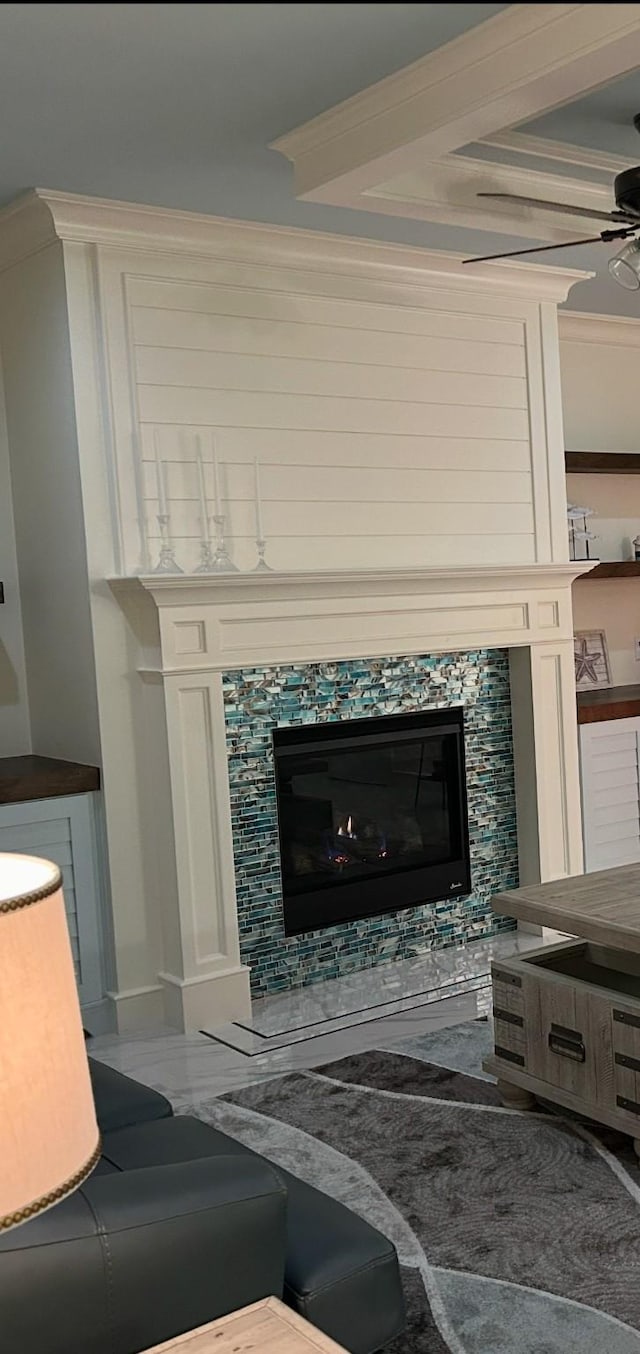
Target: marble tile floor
column 359, row 998
column 190, row 1068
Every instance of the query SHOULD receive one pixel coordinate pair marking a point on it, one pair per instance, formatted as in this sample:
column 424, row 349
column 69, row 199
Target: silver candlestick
column 222, row 562
column 261, row 566
column 166, row 560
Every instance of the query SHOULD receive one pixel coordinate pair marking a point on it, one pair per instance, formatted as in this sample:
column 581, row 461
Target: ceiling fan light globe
column 625, row 266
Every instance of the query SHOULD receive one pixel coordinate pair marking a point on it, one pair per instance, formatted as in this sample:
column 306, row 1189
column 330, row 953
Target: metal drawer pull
column 566, row 1045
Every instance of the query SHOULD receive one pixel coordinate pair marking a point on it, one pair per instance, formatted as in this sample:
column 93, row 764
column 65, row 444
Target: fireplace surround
column 290, row 701
column 206, row 646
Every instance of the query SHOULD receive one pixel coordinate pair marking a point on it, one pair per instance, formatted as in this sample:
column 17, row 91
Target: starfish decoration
column 586, row 663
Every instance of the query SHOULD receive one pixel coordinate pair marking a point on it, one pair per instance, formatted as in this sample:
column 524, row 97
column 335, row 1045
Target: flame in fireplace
column 347, row 829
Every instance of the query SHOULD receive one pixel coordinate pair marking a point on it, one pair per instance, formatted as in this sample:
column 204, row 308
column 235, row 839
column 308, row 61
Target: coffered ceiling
column 537, row 101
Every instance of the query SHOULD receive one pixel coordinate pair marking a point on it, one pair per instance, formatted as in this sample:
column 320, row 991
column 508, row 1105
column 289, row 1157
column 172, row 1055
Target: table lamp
column 49, row 1140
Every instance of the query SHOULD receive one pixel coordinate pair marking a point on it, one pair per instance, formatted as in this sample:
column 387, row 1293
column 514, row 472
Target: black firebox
column 372, row 816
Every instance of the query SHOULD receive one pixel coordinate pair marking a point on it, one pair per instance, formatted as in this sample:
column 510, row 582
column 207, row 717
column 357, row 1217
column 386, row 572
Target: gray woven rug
column 518, row 1233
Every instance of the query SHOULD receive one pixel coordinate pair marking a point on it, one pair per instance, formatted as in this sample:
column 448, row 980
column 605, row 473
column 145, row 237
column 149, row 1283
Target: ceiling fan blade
column 563, row 207
column 536, row 249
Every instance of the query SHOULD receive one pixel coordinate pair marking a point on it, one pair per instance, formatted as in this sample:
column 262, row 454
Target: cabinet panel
column 62, row 830
column 610, row 776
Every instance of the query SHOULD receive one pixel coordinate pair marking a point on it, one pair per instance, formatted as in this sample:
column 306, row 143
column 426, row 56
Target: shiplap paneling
column 386, row 433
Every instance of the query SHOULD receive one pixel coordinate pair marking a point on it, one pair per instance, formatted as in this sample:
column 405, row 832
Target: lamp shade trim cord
column 36, row 896
column 54, row 1196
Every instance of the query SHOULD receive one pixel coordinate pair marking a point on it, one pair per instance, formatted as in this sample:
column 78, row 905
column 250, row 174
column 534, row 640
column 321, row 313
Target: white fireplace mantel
column 191, row 628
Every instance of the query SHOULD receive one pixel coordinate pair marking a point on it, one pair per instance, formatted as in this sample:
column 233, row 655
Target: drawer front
column 560, row 1048
column 555, row 1029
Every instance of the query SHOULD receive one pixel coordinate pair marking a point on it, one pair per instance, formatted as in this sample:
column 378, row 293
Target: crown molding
column 615, row 330
column 50, row 215
column 515, row 66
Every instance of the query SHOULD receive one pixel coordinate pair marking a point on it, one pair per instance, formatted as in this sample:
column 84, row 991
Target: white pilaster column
column 206, row 981
column 546, row 761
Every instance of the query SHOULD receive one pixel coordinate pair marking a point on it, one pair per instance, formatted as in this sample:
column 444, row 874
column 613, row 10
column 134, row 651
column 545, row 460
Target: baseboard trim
column 207, row 999
column 98, row 1017
column 139, row 1008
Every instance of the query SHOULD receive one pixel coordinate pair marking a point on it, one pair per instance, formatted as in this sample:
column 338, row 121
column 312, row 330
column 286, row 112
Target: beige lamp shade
column 49, row 1140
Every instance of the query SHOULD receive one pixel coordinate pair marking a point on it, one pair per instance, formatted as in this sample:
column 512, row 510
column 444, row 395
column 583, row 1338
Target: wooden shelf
column 30, row 777
column 614, row 568
column 614, row 702
column 602, row 462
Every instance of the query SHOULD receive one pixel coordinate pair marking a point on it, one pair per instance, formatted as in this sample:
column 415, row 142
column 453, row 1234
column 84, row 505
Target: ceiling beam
column 524, row 61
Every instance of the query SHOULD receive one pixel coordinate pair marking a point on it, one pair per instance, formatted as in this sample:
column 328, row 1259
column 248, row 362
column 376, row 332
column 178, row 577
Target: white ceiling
column 176, row 105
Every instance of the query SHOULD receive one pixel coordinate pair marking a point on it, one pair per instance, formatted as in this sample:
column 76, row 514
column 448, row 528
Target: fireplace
column 372, row 816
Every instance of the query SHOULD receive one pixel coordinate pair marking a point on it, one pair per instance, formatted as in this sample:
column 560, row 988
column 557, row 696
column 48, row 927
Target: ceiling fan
column 625, row 225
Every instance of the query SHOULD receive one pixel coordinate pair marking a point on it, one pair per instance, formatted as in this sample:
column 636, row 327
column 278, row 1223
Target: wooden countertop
column 615, row 702
column 32, row 777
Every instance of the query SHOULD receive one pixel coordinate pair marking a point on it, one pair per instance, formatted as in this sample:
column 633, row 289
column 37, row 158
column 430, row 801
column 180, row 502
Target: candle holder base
column 261, row 567
column 222, row 562
column 167, row 563
column 166, row 559
column 206, row 559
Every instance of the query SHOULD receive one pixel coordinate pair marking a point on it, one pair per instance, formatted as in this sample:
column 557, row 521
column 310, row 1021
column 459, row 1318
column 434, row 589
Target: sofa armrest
column 136, row 1257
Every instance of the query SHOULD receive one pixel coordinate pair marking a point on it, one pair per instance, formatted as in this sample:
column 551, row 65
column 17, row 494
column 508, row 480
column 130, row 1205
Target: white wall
column 600, row 368
column 600, row 372
column 15, row 733
column 48, row 509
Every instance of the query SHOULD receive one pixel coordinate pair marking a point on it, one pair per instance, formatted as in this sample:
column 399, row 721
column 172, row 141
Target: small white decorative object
column 636, row 547
column 579, row 536
column 261, row 544
column 166, row 559
column 591, row 660
column 222, row 562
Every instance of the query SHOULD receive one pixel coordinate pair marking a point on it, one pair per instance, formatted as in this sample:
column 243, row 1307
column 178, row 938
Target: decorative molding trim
column 578, row 327
column 544, row 148
column 137, row 228
column 198, row 589
column 137, row 1008
column 446, row 191
column 306, row 617
column 515, row 66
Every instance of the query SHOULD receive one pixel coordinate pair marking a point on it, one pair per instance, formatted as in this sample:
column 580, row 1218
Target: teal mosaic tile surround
column 257, row 700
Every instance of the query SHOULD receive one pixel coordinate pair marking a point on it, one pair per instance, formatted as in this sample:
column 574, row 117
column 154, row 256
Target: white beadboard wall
column 393, row 433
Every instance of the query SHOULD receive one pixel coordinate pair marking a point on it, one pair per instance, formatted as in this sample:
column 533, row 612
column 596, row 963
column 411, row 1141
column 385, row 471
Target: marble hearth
column 190, row 631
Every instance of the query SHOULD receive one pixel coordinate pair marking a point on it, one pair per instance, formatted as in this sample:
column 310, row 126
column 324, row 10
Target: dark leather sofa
column 178, row 1225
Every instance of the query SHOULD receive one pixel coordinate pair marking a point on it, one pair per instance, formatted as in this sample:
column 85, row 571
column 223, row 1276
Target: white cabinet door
column 610, row 772
column 63, row 830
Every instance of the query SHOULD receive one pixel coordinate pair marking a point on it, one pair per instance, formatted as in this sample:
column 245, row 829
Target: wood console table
column 567, row 1017
column 268, row 1327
